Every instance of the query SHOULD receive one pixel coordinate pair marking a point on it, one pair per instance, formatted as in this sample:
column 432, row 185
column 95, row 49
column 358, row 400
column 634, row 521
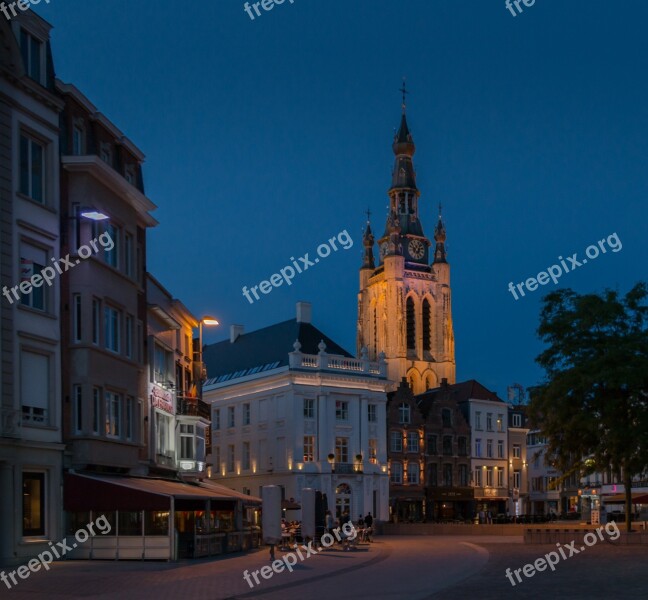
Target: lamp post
column 208, row 321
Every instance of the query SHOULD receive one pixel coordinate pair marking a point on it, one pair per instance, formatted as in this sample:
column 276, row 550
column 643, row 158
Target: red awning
column 85, row 492
column 637, row 498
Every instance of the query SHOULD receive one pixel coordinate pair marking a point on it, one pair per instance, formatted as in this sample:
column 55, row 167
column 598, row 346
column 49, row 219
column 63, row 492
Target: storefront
column 157, row 519
column 453, row 504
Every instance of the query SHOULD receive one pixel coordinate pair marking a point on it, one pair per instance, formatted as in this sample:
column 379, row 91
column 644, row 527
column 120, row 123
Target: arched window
column 427, row 317
column 404, row 413
column 411, row 324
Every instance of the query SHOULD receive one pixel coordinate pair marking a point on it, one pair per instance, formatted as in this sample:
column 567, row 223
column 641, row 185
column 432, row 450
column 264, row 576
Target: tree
column 593, row 405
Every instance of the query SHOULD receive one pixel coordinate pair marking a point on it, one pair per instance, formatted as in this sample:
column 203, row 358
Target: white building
column 292, row 408
column 31, row 451
column 488, row 419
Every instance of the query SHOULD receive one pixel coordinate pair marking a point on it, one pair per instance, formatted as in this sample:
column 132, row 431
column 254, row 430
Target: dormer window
column 78, row 138
column 31, row 50
column 129, row 174
column 105, row 153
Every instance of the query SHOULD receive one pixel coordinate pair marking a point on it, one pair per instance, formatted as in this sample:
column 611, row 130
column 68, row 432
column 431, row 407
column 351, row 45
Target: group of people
column 363, row 527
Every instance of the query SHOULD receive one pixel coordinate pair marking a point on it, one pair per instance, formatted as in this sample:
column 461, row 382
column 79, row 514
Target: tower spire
column 440, row 238
column 368, row 242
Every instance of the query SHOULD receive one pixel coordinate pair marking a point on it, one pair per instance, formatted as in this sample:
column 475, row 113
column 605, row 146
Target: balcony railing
column 333, row 362
column 190, row 406
column 347, row 468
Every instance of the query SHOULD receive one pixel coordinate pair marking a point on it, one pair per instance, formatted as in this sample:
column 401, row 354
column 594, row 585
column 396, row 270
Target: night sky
column 265, row 138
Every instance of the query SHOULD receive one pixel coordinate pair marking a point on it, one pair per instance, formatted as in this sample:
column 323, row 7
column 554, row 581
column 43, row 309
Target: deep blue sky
column 264, row 138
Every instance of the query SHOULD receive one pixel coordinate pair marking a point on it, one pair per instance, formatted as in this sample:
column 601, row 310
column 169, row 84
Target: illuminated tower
column 404, row 304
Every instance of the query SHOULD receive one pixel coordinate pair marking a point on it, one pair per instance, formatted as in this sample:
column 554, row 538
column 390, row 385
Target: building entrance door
column 342, row 499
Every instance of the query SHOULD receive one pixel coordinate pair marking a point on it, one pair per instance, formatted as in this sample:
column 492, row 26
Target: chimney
column 235, row 331
column 444, row 382
column 304, row 312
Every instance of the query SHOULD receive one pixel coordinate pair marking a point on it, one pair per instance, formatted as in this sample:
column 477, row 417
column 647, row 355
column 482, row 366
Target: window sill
column 35, row 202
column 37, row 311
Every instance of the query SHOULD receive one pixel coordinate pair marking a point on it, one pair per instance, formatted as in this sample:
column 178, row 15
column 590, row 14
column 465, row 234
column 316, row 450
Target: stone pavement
column 393, row 567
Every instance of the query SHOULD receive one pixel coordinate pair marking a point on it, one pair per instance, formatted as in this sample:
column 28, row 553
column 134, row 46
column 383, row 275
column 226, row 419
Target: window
column 309, row 448
column 112, row 256
column 129, row 174
column 78, row 408
column 341, row 410
column 500, row 477
column 413, row 473
column 478, row 447
column 163, row 429
column 231, row 416
column 128, row 254
column 31, row 52
column 404, row 413
column 447, row 475
column 463, row 446
column 447, row 445
column 96, row 320
column 433, row 479
column 246, row 414
column 446, row 416
column 130, row 408
column 309, row 408
column 372, row 415
column 35, row 387
column 77, row 140
column 187, row 442
column 161, row 365
column 396, row 473
column 411, row 324
column 463, row 475
column 489, row 476
column 517, row 451
column 231, row 456
column 412, row 441
column 478, row 476
column 246, row 456
column 76, row 317
column 106, row 153
column 32, row 262
column 432, row 444
column 373, row 451
column 113, row 414
column 32, row 169
column 427, row 330
column 111, row 329
column 489, row 448
column 500, row 422
column 33, row 504
column 517, row 420
column 500, row 449
column 489, row 422
column 396, row 441
column 478, row 421
column 517, row 478
column 216, row 419
column 341, row 450
column 139, row 341
column 96, row 409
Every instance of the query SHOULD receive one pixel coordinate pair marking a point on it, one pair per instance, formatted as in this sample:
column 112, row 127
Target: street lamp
column 208, row 321
column 85, row 212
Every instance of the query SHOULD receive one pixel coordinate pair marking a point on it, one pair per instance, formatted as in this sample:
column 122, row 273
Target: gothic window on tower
column 411, row 324
column 427, row 310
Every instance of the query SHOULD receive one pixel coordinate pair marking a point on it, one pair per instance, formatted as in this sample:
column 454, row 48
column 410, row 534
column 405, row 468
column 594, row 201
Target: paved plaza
column 394, row 567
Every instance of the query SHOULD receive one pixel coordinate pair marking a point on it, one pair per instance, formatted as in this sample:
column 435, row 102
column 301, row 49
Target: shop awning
column 86, row 492
column 637, row 498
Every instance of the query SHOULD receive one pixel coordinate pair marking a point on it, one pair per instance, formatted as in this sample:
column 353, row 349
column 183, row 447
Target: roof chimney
column 235, row 331
column 304, row 312
column 444, row 382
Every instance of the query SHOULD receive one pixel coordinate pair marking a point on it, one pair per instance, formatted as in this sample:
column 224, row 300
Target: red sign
column 162, row 399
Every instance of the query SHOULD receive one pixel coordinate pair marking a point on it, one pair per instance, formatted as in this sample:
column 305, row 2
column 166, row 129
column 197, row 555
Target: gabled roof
column 461, row 392
column 264, row 349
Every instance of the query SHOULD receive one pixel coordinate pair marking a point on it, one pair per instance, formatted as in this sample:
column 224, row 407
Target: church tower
column 404, row 304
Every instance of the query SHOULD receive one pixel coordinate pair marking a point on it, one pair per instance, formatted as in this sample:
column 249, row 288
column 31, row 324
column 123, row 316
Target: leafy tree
column 593, row 404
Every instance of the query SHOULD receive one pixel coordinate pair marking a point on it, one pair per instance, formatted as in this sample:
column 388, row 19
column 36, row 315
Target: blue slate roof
column 264, row 349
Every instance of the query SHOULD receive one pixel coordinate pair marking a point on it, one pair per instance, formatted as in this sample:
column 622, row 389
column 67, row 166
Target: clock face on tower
column 416, row 249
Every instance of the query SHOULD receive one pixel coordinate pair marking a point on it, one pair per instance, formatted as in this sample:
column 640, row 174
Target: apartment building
column 31, row 450
column 518, row 460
